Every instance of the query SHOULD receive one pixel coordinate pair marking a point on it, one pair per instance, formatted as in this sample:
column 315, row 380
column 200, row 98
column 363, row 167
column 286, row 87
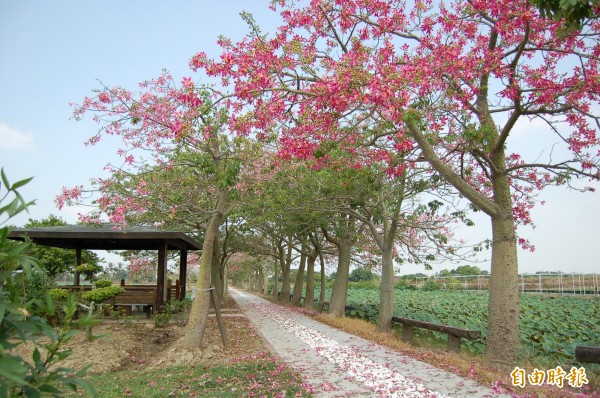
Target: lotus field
column 550, row 327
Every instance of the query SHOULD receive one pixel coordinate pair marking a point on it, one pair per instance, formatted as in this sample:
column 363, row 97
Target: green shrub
column 453, row 284
column 35, row 287
column 88, row 270
column 179, row 309
column 403, row 284
column 360, row 274
column 58, row 294
column 102, row 294
column 431, row 286
column 103, row 283
column 161, row 319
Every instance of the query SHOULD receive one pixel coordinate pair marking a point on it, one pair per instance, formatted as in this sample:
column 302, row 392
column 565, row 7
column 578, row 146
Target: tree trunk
column 309, row 298
column 504, row 302
column 266, row 279
column 276, row 281
column 502, row 345
column 258, row 279
column 216, row 279
column 323, row 281
column 225, row 282
column 285, row 283
column 337, row 302
column 299, row 284
column 194, row 333
column 386, row 291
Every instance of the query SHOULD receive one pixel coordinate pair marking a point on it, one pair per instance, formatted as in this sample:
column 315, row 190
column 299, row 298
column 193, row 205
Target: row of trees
column 358, row 131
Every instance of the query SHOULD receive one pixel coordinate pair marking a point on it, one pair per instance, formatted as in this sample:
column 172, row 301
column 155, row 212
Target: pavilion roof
column 106, row 237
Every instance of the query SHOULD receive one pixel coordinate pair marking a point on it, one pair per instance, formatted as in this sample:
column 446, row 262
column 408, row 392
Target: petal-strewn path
column 338, row 364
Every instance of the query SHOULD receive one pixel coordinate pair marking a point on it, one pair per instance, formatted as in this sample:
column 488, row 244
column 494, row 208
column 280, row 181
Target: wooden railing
column 455, row 334
column 587, row 354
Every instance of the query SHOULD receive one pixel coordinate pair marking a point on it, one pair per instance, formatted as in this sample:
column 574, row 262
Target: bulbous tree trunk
column 504, row 309
column 194, row 333
column 504, row 302
column 386, row 291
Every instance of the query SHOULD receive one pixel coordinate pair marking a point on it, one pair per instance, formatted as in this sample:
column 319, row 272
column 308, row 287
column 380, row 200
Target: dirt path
column 338, row 364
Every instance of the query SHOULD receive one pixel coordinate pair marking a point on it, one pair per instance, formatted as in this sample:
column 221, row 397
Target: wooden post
column 453, row 343
column 77, row 264
column 177, row 291
column 160, row 277
column 215, row 301
column 407, row 333
column 168, row 290
column 182, row 273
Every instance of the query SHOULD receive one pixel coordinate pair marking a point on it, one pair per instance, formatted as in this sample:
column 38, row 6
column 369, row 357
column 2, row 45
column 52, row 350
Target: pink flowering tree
column 141, row 268
column 455, row 80
column 193, row 169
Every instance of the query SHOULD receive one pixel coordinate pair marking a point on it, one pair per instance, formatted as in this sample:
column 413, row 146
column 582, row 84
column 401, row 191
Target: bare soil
column 137, row 344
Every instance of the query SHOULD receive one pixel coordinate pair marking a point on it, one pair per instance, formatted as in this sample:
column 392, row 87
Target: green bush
column 360, row 274
column 403, row 284
column 453, row 284
column 103, row 283
column 102, row 294
column 88, row 270
column 161, row 319
column 35, row 287
column 58, row 294
column 431, row 286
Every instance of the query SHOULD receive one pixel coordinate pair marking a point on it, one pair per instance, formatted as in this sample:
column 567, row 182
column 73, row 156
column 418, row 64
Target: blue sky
column 54, row 53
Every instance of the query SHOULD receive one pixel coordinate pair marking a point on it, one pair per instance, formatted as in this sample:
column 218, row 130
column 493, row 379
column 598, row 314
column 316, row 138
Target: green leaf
column 49, row 389
column 36, row 356
column 12, row 370
column 4, row 179
column 21, row 183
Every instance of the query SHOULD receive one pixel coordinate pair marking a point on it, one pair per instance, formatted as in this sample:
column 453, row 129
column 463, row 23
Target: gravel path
column 338, row 364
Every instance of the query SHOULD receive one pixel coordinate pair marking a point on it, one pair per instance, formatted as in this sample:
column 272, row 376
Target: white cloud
column 13, row 139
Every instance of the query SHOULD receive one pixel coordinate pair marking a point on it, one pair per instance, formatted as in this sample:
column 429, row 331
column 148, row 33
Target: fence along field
column 560, row 283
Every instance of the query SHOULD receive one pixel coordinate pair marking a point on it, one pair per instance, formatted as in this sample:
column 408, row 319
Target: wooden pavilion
column 112, row 237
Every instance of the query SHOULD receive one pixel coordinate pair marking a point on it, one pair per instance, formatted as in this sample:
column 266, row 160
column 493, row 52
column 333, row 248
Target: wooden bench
column 454, row 334
column 142, row 295
column 135, row 295
column 587, row 354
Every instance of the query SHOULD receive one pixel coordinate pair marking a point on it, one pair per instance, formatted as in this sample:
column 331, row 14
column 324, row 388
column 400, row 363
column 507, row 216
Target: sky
column 55, row 53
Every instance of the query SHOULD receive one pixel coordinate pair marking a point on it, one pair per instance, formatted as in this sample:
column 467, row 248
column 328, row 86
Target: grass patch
column 258, row 375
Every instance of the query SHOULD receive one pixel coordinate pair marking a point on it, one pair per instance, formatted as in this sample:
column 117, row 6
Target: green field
column 551, row 326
